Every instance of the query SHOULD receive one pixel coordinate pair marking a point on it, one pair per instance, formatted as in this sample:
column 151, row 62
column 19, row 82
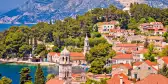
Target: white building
column 123, row 59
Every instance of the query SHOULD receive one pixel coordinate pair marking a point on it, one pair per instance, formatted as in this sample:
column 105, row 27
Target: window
column 149, row 68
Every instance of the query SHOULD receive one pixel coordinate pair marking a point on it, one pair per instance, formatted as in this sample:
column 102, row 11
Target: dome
column 65, row 52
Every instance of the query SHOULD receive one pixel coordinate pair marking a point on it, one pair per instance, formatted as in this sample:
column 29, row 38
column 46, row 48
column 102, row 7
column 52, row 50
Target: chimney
column 121, row 80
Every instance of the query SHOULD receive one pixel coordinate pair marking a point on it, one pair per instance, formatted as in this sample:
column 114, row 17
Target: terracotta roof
column 155, row 37
column 126, row 45
column 117, row 30
column 125, row 65
column 137, row 63
column 154, row 79
column 78, row 58
column 150, row 63
column 53, row 53
column 156, row 23
column 142, row 51
column 116, row 80
column 55, row 81
column 122, row 75
column 123, row 56
column 165, row 59
column 76, row 54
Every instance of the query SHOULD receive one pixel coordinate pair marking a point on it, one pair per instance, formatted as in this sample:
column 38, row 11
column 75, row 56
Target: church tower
column 65, row 67
column 86, row 45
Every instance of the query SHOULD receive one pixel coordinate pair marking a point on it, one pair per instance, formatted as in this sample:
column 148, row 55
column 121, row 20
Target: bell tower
column 86, row 45
column 65, row 67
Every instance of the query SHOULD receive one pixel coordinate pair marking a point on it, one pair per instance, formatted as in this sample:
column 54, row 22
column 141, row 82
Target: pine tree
column 25, row 76
column 39, row 76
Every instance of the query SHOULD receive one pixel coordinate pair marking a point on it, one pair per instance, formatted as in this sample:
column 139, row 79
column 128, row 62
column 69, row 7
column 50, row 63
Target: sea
column 4, row 27
column 11, row 70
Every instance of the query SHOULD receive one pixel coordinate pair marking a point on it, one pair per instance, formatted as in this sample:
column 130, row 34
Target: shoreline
column 27, row 62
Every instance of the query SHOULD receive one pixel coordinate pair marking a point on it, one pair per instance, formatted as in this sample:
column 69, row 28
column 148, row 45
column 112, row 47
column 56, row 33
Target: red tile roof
column 165, row 59
column 158, row 23
column 121, row 75
column 126, row 45
column 76, row 54
column 150, row 63
column 116, row 80
column 154, row 79
column 125, row 65
column 137, row 63
column 55, row 81
column 142, row 51
column 123, row 56
column 53, row 53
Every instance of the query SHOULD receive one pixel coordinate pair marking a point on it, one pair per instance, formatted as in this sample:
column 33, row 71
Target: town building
column 142, row 69
column 105, row 27
column 127, row 47
column 155, row 28
column 161, row 61
column 121, row 69
column 86, row 45
column 119, row 79
column 76, row 58
column 53, row 57
column 135, row 39
column 65, row 66
column 139, row 55
column 154, row 79
column 123, row 59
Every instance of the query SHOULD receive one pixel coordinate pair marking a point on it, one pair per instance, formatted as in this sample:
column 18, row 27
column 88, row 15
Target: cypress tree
column 39, row 76
column 25, row 76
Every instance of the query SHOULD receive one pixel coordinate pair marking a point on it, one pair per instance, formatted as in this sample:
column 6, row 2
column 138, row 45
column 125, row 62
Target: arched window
column 66, row 59
column 63, row 59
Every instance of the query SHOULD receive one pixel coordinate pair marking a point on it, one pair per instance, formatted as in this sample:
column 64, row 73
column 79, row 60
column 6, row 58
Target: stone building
column 65, row 67
column 86, row 45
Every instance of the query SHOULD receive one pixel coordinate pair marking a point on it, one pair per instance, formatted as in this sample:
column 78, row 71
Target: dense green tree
column 164, row 71
column 97, row 66
column 5, row 80
column 96, row 41
column 165, row 35
column 102, row 81
column 112, row 54
column 150, row 55
column 25, row 75
column 50, row 76
column 40, row 48
column 39, row 76
column 164, row 52
column 100, row 51
column 150, row 19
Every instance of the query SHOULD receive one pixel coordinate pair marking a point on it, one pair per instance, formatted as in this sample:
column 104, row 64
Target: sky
column 6, row 5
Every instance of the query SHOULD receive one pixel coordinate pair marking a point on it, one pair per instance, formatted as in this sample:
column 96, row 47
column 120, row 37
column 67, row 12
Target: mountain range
column 33, row 11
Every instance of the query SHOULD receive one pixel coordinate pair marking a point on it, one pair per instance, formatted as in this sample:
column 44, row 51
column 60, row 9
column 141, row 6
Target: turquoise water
column 4, row 27
column 12, row 71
